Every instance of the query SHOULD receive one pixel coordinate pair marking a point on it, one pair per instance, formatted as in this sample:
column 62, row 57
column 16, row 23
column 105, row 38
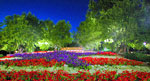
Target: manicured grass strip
column 93, row 68
column 103, row 56
column 11, row 58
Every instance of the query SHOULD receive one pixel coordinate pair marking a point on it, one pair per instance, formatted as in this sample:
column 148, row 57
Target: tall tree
column 118, row 21
column 126, row 14
column 62, row 35
column 18, row 34
column 1, row 24
column 46, row 41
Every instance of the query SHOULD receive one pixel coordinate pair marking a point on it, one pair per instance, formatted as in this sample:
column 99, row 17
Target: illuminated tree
column 25, row 32
column 126, row 16
column 56, row 35
column 61, row 34
column 118, row 21
column 18, row 34
column 46, row 40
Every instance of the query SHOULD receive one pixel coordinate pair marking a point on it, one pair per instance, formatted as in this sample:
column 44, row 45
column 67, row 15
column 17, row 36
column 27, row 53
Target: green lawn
column 104, row 56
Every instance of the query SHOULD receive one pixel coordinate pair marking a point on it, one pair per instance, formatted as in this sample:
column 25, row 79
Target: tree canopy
column 121, row 20
column 115, row 24
column 26, row 32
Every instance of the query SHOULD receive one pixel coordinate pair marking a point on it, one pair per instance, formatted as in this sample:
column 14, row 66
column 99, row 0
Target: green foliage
column 107, row 45
column 138, row 57
column 56, row 35
column 121, row 21
column 18, row 33
column 92, row 46
column 44, row 45
column 61, row 33
column 1, row 55
column 148, row 46
column 47, row 28
column 24, row 32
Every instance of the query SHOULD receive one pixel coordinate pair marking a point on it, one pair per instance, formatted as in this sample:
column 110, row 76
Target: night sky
column 73, row 11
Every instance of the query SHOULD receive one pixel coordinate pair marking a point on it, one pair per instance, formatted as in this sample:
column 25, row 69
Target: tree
column 18, row 34
column 54, row 35
column 1, row 24
column 46, row 41
column 26, row 32
column 61, row 35
column 95, row 28
column 118, row 21
column 128, row 18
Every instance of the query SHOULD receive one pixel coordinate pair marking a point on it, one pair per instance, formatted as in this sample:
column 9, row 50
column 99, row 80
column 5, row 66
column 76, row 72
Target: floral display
column 70, row 58
column 61, row 75
column 41, row 52
column 7, row 57
column 106, row 53
column 33, row 62
column 72, row 48
column 110, row 61
column 65, row 59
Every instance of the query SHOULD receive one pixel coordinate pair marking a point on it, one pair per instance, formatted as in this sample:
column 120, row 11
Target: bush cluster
column 137, row 56
column 1, row 55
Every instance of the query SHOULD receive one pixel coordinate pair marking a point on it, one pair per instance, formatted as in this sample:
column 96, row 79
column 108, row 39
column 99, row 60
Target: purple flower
column 68, row 57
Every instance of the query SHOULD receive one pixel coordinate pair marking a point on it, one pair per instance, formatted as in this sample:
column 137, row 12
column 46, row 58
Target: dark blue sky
column 73, row 11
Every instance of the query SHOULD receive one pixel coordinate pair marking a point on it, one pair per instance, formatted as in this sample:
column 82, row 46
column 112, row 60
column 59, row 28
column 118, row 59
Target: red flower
column 61, row 75
column 34, row 62
column 110, row 61
column 106, row 53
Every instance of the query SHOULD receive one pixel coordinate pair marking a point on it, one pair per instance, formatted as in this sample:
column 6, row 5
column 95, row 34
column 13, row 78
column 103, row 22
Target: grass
column 103, row 56
column 118, row 68
column 1, row 55
column 10, row 58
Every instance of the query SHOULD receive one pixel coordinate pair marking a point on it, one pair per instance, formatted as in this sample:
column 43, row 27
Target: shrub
column 148, row 46
column 1, row 55
column 138, row 57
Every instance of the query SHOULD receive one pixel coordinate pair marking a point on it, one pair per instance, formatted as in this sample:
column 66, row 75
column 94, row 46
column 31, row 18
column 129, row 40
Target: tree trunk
column 20, row 50
column 128, row 50
column 120, row 50
column 124, row 49
column 9, row 52
column 55, row 47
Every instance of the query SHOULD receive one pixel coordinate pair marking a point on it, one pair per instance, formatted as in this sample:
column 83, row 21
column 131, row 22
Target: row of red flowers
column 34, row 62
column 106, row 53
column 6, row 57
column 110, row 61
column 61, row 75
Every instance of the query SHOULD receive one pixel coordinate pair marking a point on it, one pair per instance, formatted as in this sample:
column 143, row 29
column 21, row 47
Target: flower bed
column 98, row 71
column 61, row 75
column 6, row 57
column 33, row 62
column 106, row 53
column 41, row 52
column 72, row 59
column 69, row 58
column 110, row 61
